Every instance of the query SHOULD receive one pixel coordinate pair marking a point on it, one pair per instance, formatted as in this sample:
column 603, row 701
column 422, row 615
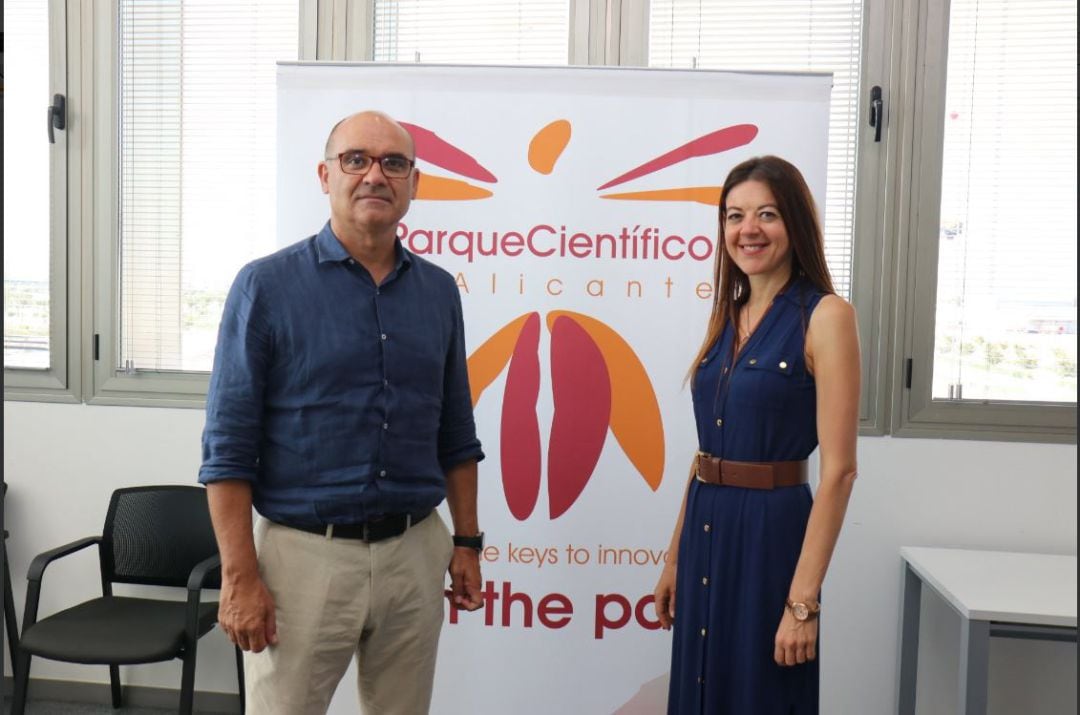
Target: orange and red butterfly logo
column 597, row 382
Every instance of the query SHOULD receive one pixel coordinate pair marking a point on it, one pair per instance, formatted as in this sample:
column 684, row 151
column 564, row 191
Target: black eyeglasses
column 354, row 161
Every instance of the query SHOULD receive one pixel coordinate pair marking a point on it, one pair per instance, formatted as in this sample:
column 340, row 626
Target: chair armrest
column 37, row 571
column 202, row 570
column 196, row 579
column 37, row 566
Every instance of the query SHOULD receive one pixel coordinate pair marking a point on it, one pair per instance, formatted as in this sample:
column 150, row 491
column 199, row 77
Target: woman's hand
column 796, row 641
column 664, row 596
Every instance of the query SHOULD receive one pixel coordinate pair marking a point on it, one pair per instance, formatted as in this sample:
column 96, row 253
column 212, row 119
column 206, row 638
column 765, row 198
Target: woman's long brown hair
column 795, row 204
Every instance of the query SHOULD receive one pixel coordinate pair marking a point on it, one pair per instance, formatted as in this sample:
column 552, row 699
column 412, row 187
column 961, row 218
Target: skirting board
column 71, row 691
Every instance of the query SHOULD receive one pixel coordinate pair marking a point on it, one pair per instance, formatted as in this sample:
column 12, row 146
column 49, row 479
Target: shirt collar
column 796, row 290
column 329, row 249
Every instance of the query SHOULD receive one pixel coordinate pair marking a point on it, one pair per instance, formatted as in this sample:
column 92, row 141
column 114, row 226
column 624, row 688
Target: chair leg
column 114, row 679
column 9, row 612
column 21, row 670
column 240, row 678
column 187, row 683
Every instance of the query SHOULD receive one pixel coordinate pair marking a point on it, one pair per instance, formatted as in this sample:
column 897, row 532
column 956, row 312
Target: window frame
column 61, row 381
column 108, row 384
column 919, row 104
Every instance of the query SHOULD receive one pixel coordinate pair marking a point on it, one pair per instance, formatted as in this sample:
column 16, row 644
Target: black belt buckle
column 386, row 527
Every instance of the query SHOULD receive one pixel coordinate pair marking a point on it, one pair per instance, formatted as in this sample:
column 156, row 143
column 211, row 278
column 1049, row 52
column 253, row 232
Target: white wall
column 62, row 461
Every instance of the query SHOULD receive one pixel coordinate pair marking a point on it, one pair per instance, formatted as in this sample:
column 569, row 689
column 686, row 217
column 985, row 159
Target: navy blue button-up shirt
column 339, row 400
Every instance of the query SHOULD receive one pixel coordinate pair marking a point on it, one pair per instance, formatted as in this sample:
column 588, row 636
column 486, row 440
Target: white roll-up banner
column 577, row 209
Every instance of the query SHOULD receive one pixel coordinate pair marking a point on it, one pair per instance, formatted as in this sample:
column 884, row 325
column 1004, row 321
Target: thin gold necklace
column 750, row 326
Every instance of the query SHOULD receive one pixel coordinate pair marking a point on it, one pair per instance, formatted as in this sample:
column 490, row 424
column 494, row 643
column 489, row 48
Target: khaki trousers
column 335, row 598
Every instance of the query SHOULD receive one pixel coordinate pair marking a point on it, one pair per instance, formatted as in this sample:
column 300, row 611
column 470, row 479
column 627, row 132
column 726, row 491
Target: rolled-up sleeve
column 457, row 429
column 234, row 403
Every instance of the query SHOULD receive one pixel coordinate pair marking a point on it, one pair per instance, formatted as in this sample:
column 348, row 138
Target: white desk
column 996, row 593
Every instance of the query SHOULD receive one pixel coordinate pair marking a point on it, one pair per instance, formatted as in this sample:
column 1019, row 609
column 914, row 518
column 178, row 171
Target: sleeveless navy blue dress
column 739, row 547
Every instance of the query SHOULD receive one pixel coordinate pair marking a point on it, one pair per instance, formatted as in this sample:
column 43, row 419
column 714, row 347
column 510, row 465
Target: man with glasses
column 339, row 408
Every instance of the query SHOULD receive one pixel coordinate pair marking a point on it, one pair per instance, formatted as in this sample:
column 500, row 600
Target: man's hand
column 246, row 613
column 465, row 578
column 665, row 596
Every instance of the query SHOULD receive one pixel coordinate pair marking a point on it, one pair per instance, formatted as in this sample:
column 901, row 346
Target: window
column 26, row 248
column 993, row 348
column 37, row 346
column 1005, row 324
column 196, row 122
column 472, row 31
column 198, row 131
column 791, row 35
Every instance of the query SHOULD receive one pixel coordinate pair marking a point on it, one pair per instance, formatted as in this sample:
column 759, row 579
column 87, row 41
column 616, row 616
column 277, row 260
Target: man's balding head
column 332, row 150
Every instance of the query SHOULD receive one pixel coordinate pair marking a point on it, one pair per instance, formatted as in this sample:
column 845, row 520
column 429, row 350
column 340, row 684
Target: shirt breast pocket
column 420, row 356
column 766, row 382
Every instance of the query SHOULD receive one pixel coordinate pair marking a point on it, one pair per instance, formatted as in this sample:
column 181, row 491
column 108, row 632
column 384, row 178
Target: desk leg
column 909, row 642
column 974, row 666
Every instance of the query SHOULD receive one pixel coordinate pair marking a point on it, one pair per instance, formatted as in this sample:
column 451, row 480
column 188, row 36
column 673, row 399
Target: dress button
column 385, row 425
column 386, row 383
column 704, row 580
column 382, row 473
column 382, row 337
column 753, row 361
column 707, row 527
column 783, row 365
column 702, row 632
column 700, row 680
column 719, row 423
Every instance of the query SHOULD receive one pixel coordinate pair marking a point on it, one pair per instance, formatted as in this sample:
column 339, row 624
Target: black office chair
column 159, row 536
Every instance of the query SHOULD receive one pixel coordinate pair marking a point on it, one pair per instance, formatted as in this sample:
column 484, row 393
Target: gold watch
column 803, row 611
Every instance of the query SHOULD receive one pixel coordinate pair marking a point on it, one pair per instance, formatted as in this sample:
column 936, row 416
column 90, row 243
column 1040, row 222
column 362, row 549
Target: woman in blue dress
column 776, row 376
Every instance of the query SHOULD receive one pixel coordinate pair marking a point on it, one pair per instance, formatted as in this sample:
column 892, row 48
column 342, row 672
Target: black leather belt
column 383, row 527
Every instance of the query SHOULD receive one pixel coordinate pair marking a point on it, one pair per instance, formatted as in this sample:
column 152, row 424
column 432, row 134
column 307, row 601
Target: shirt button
column 783, row 365
column 382, row 337
column 707, row 527
column 719, row 423
column 385, row 425
column 700, row 680
column 702, row 632
column 704, row 580
column 386, row 383
column 753, row 361
column 382, row 473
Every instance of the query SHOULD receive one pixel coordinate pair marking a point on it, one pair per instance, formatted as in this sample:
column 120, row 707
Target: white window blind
column 781, row 35
column 25, row 92
column 197, row 147
column 473, row 31
column 1005, row 324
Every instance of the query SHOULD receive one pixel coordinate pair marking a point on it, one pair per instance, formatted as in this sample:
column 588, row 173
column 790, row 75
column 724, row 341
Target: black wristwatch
column 470, row 542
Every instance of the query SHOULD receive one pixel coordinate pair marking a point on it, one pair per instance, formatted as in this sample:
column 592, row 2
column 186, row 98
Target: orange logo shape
column 597, row 382
column 548, row 145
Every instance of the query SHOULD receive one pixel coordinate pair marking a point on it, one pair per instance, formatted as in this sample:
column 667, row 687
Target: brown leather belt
column 750, row 475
